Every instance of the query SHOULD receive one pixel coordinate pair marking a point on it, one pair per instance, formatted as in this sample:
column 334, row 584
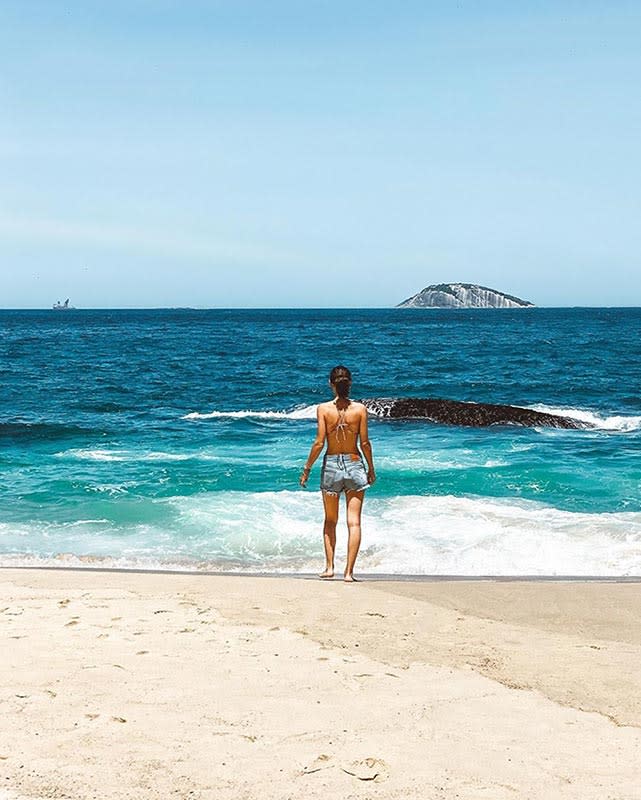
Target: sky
column 318, row 154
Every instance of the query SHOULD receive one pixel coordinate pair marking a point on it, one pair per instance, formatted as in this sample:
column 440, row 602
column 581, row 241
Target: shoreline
column 362, row 578
column 123, row 683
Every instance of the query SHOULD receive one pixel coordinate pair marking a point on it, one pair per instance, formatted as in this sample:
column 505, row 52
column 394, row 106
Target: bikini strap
column 342, row 422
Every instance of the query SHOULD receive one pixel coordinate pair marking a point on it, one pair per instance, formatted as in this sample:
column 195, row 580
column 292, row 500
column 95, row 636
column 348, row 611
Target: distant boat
column 62, row 306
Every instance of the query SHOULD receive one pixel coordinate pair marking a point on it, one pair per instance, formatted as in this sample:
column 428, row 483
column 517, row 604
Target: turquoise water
column 174, row 439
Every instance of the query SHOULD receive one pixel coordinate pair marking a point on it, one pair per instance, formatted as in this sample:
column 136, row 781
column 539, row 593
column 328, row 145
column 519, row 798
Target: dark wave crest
column 40, row 431
column 476, row 415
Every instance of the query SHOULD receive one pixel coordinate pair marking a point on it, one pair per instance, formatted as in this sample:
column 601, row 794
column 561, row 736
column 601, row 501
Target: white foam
column 281, row 532
column 91, row 454
column 305, row 412
column 433, row 461
column 615, row 422
column 112, row 489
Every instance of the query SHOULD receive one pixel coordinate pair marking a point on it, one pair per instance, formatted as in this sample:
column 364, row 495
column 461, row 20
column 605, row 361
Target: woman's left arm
column 366, row 447
column 317, row 446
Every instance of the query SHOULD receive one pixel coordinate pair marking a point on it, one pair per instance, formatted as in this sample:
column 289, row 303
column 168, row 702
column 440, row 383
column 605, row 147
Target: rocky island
column 463, row 295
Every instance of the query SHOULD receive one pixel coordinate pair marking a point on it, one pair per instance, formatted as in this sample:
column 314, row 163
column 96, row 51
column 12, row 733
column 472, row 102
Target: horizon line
column 308, row 308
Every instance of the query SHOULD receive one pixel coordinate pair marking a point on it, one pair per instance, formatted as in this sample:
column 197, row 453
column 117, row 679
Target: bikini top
column 342, row 426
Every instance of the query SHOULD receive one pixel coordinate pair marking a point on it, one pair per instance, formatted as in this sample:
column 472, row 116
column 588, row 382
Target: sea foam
column 599, row 420
column 413, row 535
column 93, row 454
column 604, row 422
column 304, row 412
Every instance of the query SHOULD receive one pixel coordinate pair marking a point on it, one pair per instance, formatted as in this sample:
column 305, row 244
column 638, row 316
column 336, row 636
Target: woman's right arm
column 317, row 446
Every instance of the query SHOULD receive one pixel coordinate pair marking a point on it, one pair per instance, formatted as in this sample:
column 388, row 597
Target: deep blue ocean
column 174, row 439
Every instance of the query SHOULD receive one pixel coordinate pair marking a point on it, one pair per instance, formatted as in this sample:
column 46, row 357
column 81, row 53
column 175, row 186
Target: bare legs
column 354, row 502
column 330, row 502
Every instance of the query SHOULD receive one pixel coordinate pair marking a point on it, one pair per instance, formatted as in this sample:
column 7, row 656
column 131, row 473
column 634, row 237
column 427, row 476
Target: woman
column 342, row 422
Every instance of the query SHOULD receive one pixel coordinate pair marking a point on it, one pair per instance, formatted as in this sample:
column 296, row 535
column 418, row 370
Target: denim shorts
column 343, row 472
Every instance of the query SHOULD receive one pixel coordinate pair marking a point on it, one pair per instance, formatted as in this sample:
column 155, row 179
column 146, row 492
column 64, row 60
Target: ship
column 62, row 306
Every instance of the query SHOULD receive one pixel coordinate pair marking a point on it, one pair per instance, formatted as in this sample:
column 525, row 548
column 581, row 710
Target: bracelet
column 306, row 469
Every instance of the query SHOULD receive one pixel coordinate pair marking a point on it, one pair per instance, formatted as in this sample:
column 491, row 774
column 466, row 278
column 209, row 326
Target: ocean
column 174, row 439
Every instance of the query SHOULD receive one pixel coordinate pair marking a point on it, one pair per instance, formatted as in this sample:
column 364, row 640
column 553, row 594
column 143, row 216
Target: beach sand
column 147, row 685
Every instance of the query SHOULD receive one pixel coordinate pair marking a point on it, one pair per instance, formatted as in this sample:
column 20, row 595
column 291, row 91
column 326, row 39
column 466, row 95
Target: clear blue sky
column 318, row 153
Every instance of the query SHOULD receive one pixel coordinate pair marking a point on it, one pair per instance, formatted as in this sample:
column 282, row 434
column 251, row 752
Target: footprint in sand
column 320, row 762
column 369, row 769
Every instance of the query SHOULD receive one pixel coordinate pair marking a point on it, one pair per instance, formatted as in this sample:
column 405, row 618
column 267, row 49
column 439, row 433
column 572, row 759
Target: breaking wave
column 600, row 421
column 281, row 532
column 101, row 454
column 304, row 412
column 597, row 420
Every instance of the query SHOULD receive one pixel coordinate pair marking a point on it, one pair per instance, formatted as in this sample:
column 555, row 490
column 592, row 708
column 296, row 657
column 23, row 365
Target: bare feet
column 350, row 579
column 328, row 573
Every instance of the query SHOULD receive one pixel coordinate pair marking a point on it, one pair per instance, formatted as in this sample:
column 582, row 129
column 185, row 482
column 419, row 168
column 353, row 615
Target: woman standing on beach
column 341, row 422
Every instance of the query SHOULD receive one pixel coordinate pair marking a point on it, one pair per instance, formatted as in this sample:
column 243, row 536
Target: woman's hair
column 341, row 379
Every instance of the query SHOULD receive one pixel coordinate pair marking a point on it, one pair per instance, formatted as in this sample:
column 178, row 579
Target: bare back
column 343, row 422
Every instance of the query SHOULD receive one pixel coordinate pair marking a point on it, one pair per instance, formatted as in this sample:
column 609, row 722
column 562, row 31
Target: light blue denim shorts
column 343, row 473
